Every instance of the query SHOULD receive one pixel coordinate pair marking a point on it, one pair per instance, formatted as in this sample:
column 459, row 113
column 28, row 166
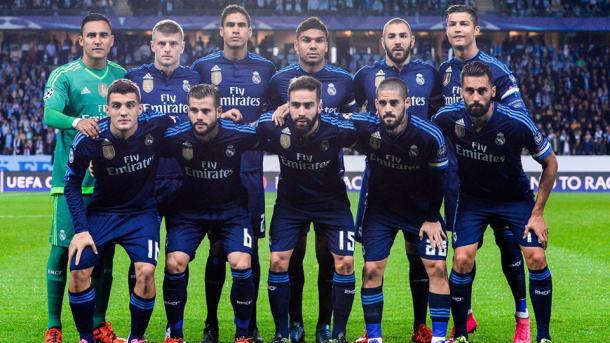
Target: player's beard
column 207, row 127
column 398, row 60
column 392, row 125
column 303, row 129
column 477, row 109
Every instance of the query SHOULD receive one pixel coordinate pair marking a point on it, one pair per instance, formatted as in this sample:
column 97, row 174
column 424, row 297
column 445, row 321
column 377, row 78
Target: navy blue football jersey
column 309, row 167
column 337, row 87
column 422, row 80
column 210, row 170
column 243, row 85
column 124, row 169
column 489, row 161
column 507, row 89
column 404, row 169
column 167, row 95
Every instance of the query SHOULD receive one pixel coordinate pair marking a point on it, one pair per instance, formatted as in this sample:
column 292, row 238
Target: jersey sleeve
column 507, row 90
column 535, row 142
column 436, row 95
column 274, row 97
column 360, row 87
column 264, row 125
column 56, row 98
column 441, row 119
column 78, row 162
column 349, row 103
column 347, row 132
column 437, row 164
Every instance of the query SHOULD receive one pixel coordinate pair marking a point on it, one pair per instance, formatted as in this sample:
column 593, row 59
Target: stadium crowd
column 566, row 90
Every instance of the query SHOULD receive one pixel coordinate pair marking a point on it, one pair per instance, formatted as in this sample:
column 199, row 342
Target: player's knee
column 344, row 264
column 80, row 280
column 278, row 263
column 373, row 274
column 463, row 262
column 175, row 264
column 535, row 258
column 239, row 261
column 145, row 274
column 436, row 270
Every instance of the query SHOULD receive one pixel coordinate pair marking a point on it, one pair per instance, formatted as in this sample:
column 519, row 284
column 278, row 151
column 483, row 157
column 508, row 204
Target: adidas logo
column 85, row 91
column 147, row 76
column 448, row 70
column 286, row 131
column 461, row 122
column 376, row 134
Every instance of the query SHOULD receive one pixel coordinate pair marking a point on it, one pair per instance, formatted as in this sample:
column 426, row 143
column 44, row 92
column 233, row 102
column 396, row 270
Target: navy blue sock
column 131, row 278
column 256, row 280
column 215, row 274
column 141, row 309
column 512, row 266
column 440, row 306
column 420, row 284
column 372, row 306
column 460, row 285
column 473, row 274
column 541, row 293
column 344, row 289
column 83, row 306
column 325, row 287
column 279, row 297
column 174, row 298
column 242, row 299
column 297, row 282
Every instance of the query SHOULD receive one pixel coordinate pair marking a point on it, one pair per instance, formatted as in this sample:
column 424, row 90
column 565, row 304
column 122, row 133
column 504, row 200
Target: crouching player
column 122, row 210
column 407, row 159
column 211, row 200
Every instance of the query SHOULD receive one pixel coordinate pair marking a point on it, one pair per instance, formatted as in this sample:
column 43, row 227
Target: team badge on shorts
column 230, row 151
column 285, row 138
column 460, row 128
column 500, row 139
column 148, row 83
column 331, row 90
column 379, row 77
column 148, row 139
column 108, row 149
column 375, row 140
column 256, row 77
column 324, row 145
column 186, row 86
column 419, row 79
column 102, row 89
column 413, row 151
column 215, row 75
column 447, row 77
column 187, row 151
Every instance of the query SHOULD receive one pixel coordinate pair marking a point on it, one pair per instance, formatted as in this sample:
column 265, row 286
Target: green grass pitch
column 578, row 256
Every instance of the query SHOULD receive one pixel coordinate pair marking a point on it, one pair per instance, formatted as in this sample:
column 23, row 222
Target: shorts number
column 247, row 239
column 153, row 251
column 432, row 251
column 350, row 240
column 261, row 228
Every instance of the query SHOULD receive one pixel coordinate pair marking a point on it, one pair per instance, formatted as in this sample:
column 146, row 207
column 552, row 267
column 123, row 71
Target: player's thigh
column 339, row 232
column 377, row 241
column 165, row 191
column 287, row 225
column 235, row 234
column 183, row 235
column 472, row 218
column 516, row 215
column 142, row 241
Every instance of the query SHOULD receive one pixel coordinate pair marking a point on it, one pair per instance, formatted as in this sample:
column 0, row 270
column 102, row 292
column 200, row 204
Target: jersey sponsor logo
column 148, row 140
column 419, row 79
column 418, row 100
column 460, row 128
column 447, row 77
column 132, row 163
column 48, row 93
column 324, row 145
column 187, row 151
column 230, row 151
column 102, row 89
column 285, row 138
column 413, row 151
column 238, row 97
column 148, row 83
column 500, row 139
column 256, row 77
column 303, row 162
column 379, row 77
column 108, row 149
column 375, row 140
column 186, row 86
column 85, row 91
column 215, row 75
column 478, row 152
column 331, row 90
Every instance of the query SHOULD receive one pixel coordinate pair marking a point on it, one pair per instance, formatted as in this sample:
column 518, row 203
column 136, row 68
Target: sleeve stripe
column 486, row 58
column 175, row 131
column 543, row 152
column 230, row 125
column 520, row 116
column 77, row 139
column 284, row 70
column 430, row 129
column 65, row 70
column 510, row 91
column 206, row 58
column 365, row 117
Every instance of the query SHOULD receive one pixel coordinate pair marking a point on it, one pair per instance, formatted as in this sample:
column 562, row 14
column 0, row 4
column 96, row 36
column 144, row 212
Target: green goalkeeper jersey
column 75, row 90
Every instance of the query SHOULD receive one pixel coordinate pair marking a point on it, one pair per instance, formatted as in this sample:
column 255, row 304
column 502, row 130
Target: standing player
column 424, row 86
column 407, row 158
column 212, row 200
column 75, row 96
column 462, row 29
column 488, row 138
column 337, row 97
column 242, row 80
column 122, row 210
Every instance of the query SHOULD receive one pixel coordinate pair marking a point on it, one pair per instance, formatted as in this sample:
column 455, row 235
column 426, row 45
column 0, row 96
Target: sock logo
column 545, row 293
column 271, row 288
column 349, row 291
column 172, row 303
column 458, row 299
column 246, row 303
column 516, row 264
column 54, row 272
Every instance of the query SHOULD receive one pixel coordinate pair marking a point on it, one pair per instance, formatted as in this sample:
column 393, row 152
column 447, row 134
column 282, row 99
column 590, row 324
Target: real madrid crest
column 148, row 83
column 186, row 86
column 331, row 89
column 148, row 139
column 102, row 89
column 215, row 75
column 500, row 139
column 460, row 128
column 379, row 77
column 256, row 77
column 285, row 138
column 413, row 151
column 447, row 77
column 187, row 151
column 108, row 149
column 375, row 140
column 324, row 145
column 419, row 79
column 230, row 151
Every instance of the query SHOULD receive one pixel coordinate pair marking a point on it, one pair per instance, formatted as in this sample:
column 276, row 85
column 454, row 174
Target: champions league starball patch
column 187, row 151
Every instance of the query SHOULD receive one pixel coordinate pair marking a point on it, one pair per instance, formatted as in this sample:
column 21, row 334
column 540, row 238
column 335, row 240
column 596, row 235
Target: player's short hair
column 234, row 9
column 123, row 86
column 395, row 21
column 305, row 82
column 463, row 9
column 94, row 17
column 203, row 90
column 167, row 26
column 394, row 83
column 312, row 23
column 476, row 69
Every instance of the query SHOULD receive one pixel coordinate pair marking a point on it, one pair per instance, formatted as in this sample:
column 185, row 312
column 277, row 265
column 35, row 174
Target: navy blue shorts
column 165, row 192
column 452, row 189
column 379, row 232
column 474, row 215
column 231, row 228
column 362, row 202
column 137, row 233
column 253, row 181
column 334, row 222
